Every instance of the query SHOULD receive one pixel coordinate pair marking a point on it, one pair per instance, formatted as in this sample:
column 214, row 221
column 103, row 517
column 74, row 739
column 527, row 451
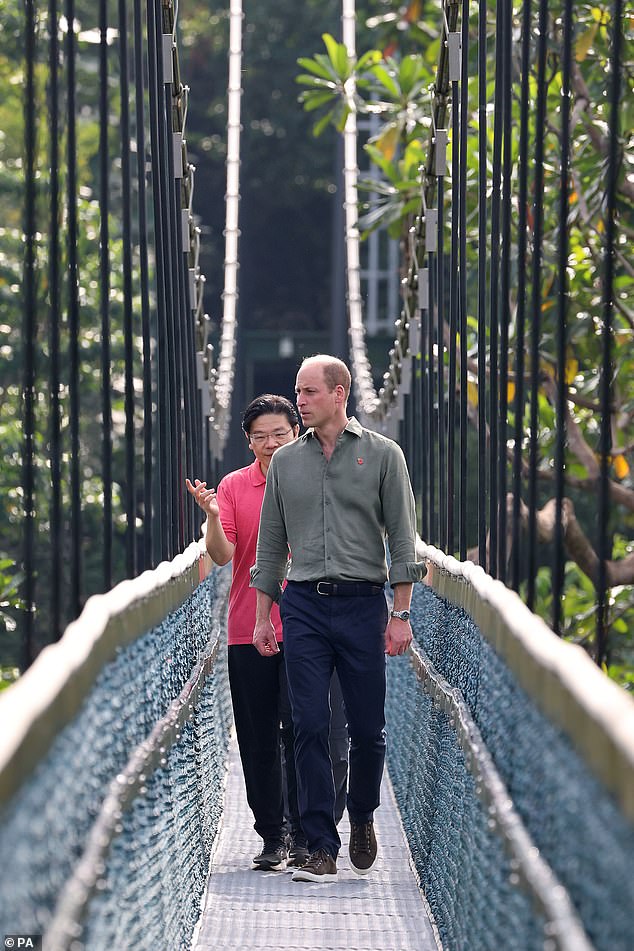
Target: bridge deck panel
column 248, row 910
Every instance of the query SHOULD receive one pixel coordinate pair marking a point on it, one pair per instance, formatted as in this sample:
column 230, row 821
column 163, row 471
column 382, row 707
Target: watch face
column 403, row 615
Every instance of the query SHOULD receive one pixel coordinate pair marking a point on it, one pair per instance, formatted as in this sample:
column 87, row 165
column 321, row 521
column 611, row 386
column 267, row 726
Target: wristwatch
column 401, row 615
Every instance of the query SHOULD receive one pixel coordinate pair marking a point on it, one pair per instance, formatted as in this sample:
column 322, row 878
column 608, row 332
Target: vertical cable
column 175, row 330
column 164, row 442
column 128, row 318
column 73, row 318
column 605, row 546
column 453, row 314
column 29, row 326
column 440, row 335
column 520, row 316
column 421, row 386
column 434, row 514
column 462, row 301
column 505, row 268
column 494, row 302
column 562, row 301
column 148, row 430
column 104, row 282
column 536, row 300
column 55, row 416
column 170, row 225
column 482, row 277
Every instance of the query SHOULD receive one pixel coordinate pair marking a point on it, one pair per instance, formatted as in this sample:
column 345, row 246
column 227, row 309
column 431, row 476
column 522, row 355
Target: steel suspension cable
column 606, row 383
column 226, row 361
column 364, row 387
column 104, row 290
column 482, row 276
column 164, row 504
column 562, row 310
column 536, row 300
column 432, row 415
column 129, row 490
column 520, row 317
column 73, row 316
column 55, row 414
column 462, row 263
column 171, row 224
column 148, row 427
column 505, row 282
column 494, row 301
column 29, row 333
column 440, row 327
column 454, row 280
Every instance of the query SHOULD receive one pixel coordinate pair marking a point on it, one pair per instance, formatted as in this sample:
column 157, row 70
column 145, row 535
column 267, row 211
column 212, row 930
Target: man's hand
column 264, row 639
column 205, row 497
column 398, row 637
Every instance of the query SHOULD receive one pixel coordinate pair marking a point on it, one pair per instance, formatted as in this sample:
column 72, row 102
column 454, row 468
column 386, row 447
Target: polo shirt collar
column 255, row 473
column 354, row 427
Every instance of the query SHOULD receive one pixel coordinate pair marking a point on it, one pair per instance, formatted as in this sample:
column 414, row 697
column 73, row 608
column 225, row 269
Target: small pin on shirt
column 360, row 460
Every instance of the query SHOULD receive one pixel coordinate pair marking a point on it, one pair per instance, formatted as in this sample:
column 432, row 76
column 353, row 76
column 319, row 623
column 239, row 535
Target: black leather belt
column 342, row 589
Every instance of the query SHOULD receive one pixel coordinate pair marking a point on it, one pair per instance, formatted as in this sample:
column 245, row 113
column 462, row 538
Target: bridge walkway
column 266, row 911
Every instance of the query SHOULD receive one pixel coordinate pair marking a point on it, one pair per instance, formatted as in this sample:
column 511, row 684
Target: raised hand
column 205, row 498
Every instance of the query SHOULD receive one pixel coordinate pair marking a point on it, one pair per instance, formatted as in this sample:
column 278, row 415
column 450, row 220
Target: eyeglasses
column 260, row 438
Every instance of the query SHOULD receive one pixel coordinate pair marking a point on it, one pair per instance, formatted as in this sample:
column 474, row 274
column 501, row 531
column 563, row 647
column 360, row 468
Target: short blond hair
column 336, row 373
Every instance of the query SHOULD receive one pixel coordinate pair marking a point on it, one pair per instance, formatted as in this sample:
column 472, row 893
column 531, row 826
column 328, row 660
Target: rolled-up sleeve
column 271, row 557
column 399, row 513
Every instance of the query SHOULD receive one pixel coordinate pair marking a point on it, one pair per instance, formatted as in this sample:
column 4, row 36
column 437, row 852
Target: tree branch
column 599, row 141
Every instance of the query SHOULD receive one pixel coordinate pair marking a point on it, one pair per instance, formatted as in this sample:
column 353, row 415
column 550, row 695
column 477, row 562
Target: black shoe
column 318, row 867
column 363, row 847
column 272, row 856
column 297, row 852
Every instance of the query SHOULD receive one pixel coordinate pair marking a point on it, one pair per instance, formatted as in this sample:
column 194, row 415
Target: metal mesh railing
column 513, row 770
column 120, row 802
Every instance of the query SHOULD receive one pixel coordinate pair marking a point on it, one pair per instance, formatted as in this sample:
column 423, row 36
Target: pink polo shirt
column 240, row 497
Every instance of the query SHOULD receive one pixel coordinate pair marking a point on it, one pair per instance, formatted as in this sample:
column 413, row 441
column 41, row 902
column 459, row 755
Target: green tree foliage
column 394, row 81
column 12, row 297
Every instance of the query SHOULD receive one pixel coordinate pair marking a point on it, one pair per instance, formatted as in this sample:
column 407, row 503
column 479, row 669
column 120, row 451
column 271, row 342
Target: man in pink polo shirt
column 258, row 685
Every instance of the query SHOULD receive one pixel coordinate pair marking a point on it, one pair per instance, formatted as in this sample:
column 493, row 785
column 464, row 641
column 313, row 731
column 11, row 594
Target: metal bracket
column 414, row 329
column 168, row 65
column 177, row 149
column 440, row 153
column 431, row 230
column 185, row 232
column 454, row 50
column 423, row 289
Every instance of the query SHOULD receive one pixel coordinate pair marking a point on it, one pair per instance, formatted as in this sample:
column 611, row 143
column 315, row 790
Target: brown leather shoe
column 363, row 847
column 318, row 867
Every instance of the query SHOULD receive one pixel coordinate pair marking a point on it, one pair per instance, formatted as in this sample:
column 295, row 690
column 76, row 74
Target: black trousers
column 261, row 712
column 262, row 715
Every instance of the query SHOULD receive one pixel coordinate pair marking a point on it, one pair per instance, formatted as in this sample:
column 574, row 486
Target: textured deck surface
column 248, row 910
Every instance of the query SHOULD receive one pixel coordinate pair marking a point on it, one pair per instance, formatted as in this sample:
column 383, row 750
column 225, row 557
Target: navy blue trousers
column 346, row 634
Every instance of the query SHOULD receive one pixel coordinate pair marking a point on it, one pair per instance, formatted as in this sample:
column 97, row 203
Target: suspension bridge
column 508, row 803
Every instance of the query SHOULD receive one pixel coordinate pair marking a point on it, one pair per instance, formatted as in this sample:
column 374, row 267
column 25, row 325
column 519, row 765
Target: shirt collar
column 354, row 427
column 256, row 474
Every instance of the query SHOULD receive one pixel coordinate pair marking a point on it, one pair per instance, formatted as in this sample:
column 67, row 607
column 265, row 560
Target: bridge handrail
column 48, row 695
column 595, row 713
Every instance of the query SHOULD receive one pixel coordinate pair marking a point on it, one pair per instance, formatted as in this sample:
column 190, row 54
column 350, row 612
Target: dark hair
column 268, row 403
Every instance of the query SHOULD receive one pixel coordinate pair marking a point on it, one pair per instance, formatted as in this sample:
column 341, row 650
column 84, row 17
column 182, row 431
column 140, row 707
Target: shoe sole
column 301, row 876
column 362, row 871
column 269, row 866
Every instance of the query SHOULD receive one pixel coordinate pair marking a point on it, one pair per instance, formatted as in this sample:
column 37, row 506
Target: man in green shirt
column 334, row 497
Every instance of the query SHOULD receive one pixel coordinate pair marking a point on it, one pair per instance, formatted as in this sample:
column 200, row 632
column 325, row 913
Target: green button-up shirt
column 336, row 515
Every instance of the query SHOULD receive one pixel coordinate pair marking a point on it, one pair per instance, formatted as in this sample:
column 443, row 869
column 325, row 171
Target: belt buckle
column 324, row 594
